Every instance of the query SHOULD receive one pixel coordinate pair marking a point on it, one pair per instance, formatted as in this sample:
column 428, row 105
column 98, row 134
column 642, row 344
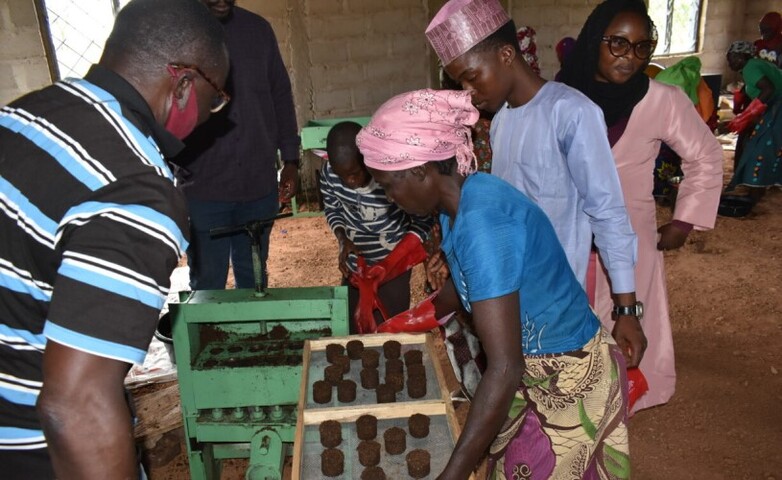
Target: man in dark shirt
column 91, row 227
column 230, row 162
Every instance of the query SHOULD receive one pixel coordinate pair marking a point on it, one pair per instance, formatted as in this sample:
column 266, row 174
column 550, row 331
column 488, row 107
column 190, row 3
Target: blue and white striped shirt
column 91, row 226
column 373, row 223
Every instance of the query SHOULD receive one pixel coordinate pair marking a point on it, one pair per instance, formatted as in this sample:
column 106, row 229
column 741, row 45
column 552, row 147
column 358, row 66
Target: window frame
column 47, row 39
column 665, row 37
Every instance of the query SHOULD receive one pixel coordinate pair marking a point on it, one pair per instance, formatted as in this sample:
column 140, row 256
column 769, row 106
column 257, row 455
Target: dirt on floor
column 725, row 288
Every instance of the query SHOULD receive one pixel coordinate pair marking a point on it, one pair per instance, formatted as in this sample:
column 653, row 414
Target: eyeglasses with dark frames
column 222, row 98
column 619, row 46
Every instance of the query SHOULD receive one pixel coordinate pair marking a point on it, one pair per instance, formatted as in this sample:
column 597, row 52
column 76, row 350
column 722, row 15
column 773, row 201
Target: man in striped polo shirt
column 368, row 225
column 91, row 226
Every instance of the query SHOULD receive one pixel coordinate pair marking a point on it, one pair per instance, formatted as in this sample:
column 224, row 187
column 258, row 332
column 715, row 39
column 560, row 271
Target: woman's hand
column 671, row 237
column 437, row 272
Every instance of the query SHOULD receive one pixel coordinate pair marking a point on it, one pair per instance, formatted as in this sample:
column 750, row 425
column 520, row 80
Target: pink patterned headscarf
column 418, row 127
column 529, row 48
column 462, row 24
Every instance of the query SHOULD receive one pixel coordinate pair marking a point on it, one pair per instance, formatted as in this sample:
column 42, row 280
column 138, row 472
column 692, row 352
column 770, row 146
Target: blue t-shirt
column 500, row 243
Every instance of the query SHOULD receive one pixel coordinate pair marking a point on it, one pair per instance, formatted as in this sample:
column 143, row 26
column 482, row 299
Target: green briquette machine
column 239, row 361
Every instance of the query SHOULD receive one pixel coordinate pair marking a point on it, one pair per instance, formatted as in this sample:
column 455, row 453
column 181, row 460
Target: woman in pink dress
column 607, row 64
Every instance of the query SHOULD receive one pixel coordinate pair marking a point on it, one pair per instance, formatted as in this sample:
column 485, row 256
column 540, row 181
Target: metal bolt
column 217, row 414
column 277, row 413
column 257, row 413
column 238, row 413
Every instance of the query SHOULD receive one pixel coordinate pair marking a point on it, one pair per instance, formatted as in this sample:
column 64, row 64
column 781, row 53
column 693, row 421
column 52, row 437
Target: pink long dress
column 664, row 114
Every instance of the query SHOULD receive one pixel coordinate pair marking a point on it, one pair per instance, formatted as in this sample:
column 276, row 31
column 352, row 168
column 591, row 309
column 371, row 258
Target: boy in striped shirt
column 378, row 242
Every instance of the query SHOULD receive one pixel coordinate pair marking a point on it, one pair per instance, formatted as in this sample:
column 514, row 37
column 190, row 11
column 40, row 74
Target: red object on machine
column 753, row 111
column 637, row 385
column 420, row 318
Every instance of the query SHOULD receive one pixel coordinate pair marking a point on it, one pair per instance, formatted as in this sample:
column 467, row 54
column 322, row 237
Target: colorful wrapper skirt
column 569, row 418
column 760, row 164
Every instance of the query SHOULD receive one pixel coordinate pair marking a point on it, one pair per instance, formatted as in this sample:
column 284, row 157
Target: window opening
column 78, row 30
column 678, row 22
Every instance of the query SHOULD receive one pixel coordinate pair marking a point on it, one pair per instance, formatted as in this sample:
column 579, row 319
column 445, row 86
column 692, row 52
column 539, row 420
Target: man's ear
column 507, row 53
column 182, row 89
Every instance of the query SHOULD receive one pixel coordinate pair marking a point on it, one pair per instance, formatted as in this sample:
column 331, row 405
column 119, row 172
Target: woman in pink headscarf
column 552, row 401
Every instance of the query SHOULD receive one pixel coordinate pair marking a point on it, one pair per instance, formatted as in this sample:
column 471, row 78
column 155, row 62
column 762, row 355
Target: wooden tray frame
column 349, row 413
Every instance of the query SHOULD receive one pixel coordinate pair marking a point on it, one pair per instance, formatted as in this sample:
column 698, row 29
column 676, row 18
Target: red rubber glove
column 739, row 99
column 746, row 118
column 420, row 318
column 368, row 301
column 408, row 253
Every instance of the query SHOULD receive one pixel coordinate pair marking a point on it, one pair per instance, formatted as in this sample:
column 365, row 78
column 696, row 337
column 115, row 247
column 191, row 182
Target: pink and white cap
column 421, row 126
column 462, row 24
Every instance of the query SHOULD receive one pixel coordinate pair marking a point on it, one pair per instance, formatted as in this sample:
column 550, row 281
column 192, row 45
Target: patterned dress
column 567, row 419
column 665, row 114
column 760, row 164
column 481, row 144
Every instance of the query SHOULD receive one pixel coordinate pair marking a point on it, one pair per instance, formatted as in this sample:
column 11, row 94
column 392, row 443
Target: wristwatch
column 636, row 310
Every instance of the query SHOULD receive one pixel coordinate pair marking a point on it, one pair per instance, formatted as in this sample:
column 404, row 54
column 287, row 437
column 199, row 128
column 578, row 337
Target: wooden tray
column 444, row 428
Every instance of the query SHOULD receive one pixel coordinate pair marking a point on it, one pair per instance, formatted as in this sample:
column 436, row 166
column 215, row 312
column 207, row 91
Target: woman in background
column 563, row 49
column 760, row 163
column 607, row 64
column 769, row 46
column 685, row 74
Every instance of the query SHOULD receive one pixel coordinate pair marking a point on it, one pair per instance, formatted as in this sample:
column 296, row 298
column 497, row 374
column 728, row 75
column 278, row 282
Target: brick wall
column 551, row 21
column 363, row 53
column 346, row 57
column 23, row 65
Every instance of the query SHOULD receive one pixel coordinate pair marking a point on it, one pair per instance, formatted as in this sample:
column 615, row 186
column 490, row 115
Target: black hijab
column 616, row 100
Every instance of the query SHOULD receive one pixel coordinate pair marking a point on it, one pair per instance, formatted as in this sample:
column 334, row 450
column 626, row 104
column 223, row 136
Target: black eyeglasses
column 619, row 46
column 222, row 98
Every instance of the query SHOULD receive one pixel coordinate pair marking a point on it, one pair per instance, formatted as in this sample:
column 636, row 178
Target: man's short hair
column 505, row 35
column 149, row 34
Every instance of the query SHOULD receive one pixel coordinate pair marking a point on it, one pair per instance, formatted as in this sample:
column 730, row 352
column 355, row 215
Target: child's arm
column 334, row 212
column 346, row 247
column 421, row 226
